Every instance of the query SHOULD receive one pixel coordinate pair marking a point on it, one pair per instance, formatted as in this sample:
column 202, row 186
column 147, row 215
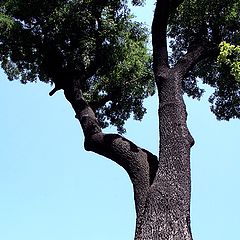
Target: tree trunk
column 167, row 208
column 162, row 188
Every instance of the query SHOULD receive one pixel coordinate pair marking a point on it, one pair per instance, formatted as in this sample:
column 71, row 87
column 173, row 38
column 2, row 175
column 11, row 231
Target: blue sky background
column 51, row 189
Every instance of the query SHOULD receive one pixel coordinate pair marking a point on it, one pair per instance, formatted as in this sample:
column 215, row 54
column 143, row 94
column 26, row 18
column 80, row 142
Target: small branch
column 53, row 91
column 186, row 63
column 100, row 103
column 113, row 94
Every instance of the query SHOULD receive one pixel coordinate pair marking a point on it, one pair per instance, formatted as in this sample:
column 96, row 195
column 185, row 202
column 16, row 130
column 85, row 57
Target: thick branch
column 140, row 164
column 159, row 34
column 192, row 57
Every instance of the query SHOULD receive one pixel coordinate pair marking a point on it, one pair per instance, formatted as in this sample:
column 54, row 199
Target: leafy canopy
column 94, row 41
column 99, row 43
column 213, row 24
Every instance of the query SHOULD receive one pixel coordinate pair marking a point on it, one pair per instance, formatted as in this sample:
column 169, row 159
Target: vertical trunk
column 161, row 189
column 167, row 208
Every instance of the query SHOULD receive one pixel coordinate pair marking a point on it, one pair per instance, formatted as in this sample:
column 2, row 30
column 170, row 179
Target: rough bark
column 162, row 189
column 167, row 209
column 140, row 164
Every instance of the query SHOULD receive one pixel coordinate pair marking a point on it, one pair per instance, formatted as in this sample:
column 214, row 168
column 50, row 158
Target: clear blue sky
column 51, row 189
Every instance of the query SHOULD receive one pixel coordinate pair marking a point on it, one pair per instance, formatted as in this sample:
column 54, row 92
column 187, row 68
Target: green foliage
column 230, row 56
column 6, row 22
column 95, row 41
column 213, row 24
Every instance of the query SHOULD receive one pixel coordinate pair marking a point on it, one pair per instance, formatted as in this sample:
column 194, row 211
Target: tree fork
column 167, row 210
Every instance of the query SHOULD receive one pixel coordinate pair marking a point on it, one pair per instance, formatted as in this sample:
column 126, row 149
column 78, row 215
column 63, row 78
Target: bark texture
column 162, row 186
column 167, row 208
column 140, row 164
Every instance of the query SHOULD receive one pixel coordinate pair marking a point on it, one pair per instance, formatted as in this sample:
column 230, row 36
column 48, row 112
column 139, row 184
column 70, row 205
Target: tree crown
column 100, row 44
column 97, row 42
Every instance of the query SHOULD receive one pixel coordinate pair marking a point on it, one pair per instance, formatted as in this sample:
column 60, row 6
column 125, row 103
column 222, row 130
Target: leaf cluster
column 230, row 56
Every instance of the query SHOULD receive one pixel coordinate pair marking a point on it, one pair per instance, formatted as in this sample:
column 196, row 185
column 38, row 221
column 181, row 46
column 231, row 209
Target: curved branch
column 140, row 164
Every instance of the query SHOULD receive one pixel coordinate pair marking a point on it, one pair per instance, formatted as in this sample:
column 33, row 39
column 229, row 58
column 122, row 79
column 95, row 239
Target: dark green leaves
column 94, row 41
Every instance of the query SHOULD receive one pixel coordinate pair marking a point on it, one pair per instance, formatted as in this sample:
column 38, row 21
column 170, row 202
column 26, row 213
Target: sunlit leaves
column 230, row 56
column 6, row 22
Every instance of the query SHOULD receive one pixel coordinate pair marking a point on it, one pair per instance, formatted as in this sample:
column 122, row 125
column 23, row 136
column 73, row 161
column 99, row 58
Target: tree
column 162, row 189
